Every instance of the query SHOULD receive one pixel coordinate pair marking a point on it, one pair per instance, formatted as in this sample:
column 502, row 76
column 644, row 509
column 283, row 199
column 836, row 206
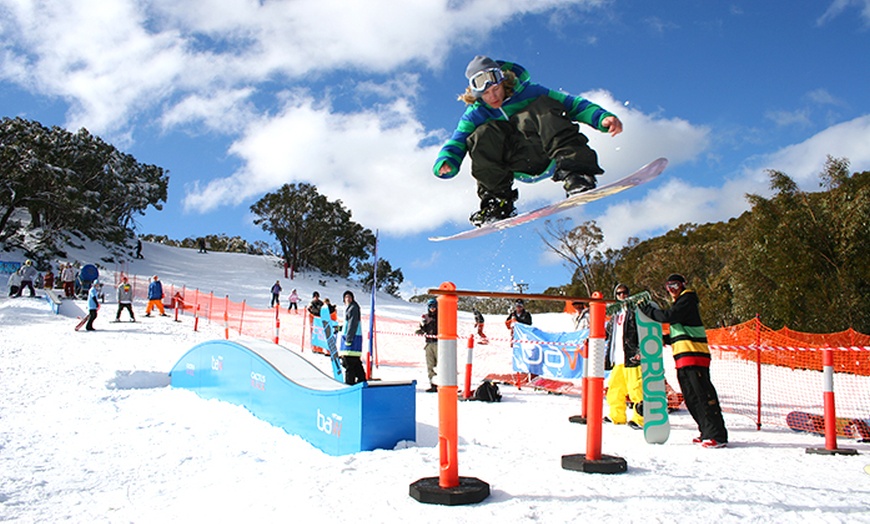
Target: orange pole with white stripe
column 830, row 409
column 595, row 383
column 468, row 358
column 448, row 434
column 277, row 322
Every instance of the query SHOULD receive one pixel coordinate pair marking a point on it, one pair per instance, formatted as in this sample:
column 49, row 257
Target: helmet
column 432, row 303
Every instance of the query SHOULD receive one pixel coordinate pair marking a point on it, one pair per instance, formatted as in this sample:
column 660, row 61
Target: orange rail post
column 450, row 489
column 446, row 376
column 593, row 461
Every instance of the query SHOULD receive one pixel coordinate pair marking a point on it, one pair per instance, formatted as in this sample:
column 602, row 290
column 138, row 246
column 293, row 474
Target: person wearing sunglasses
column 624, row 355
column 514, row 128
column 688, row 341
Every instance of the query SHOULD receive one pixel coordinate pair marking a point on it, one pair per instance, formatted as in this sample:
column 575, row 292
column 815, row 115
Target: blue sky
column 236, row 98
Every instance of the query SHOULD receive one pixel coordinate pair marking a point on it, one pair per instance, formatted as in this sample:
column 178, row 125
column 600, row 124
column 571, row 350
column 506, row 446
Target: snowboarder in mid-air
column 513, row 127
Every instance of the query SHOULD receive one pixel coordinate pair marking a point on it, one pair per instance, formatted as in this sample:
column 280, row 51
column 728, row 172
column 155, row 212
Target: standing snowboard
column 644, row 174
column 337, row 371
column 656, row 427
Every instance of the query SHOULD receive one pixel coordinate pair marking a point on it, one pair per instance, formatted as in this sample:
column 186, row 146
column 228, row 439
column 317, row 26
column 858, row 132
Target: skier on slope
column 515, row 128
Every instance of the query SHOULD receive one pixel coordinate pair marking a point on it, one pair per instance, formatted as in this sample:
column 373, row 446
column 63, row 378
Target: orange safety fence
column 765, row 374
column 758, row 372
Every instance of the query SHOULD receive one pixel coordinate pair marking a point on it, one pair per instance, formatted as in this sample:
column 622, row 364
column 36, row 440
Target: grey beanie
column 479, row 63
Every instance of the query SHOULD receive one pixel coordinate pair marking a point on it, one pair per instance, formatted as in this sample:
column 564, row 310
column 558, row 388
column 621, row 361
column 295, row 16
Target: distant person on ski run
column 276, row 294
column 514, row 128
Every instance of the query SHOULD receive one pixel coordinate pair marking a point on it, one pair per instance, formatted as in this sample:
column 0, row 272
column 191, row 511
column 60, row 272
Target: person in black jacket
column 429, row 328
column 688, row 341
column 624, row 356
column 519, row 314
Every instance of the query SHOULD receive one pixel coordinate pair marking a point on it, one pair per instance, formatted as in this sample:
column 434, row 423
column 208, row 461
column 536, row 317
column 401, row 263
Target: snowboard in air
column 644, row 174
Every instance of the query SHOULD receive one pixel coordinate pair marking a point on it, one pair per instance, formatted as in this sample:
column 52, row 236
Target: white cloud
column 369, row 160
column 113, row 61
column 837, row 7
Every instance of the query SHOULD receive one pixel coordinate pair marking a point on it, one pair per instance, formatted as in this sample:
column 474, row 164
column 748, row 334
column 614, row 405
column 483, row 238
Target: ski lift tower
column 521, row 286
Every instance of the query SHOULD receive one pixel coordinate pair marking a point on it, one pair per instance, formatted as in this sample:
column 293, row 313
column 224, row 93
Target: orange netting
column 758, row 372
column 752, row 341
column 766, row 374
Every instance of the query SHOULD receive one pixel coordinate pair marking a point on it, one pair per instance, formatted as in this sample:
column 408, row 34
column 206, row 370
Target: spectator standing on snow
column 581, row 316
column 688, row 341
column 624, row 356
column 125, row 299
column 314, row 312
column 68, row 277
column 28, row 274
column 276, row 294
column 519, row 314
column 14, row 284
column 93, row 304
column 429, row 328
column 350, row 350
column 155, row 297
column 48, row 280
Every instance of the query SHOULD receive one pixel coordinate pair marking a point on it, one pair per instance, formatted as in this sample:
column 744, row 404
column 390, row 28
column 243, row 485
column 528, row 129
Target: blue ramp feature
column 282, row 388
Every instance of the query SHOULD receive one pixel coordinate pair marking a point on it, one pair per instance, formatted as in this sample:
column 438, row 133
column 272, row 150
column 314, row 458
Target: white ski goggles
column 482, row 80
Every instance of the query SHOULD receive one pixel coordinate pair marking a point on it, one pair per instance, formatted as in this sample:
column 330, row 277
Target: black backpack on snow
column 487, row 392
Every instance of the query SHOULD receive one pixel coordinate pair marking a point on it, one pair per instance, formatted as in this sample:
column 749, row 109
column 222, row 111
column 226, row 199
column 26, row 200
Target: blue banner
column 553, row 355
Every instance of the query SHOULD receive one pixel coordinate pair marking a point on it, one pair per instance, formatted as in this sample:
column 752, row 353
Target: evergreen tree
column 312, row 231
column 55, row 185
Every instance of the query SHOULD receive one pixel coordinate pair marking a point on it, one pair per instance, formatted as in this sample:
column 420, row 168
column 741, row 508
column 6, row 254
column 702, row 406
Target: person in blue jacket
column 350, row 351
column 514, row 128
column 93, row 304
column 155, row 297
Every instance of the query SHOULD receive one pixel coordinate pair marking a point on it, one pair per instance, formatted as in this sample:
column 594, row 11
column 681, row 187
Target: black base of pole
column 577, row 419
column 469, row 491
column 606, row 464
column 826, row 451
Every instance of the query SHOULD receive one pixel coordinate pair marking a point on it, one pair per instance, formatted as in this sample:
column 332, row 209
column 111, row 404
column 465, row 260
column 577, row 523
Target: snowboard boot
column 576, row 177
column 493, row 209
column 575, row 184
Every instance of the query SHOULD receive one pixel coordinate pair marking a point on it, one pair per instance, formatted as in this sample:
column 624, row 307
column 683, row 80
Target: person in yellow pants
column 625, row 377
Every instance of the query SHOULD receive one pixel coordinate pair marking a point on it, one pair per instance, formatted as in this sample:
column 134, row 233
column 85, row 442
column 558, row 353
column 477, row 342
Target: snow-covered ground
column 91, row 431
